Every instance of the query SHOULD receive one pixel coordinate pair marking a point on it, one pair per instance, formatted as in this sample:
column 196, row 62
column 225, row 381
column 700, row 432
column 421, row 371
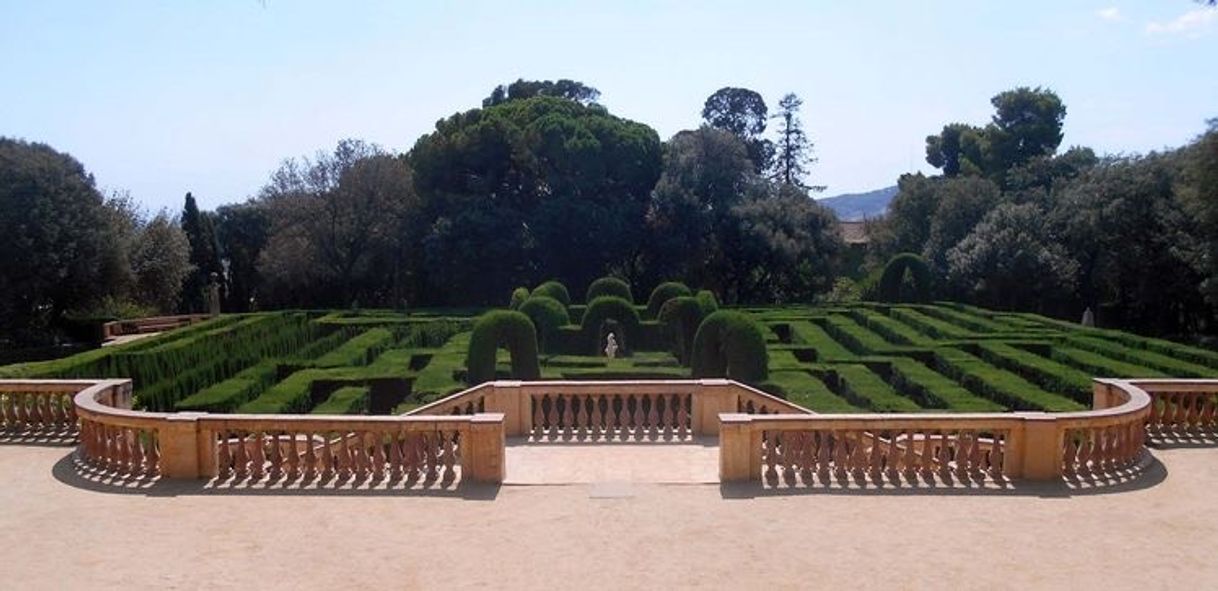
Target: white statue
column 1088, row 318
column 611, row 346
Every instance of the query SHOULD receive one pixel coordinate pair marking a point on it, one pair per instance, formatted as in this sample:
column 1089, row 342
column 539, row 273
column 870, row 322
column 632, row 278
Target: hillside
column 857, row 206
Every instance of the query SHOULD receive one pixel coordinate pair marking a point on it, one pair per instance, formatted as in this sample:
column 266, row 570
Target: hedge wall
column 554, row 289
column 610, row 308
column 730, row 344
column 547, row 315
column 681, row 317
column 663, row 293
column 519, row 295
column 512, row 329
column 609, row 286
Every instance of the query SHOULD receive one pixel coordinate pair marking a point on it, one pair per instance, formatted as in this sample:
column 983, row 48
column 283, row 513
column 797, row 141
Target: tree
column 59, row 239
column 793, row 150
column 338, row 222
column 554, row 188
column 1009, row 260
column 242, row 231
column 958, row 149
column 960, row 204
column 1027, row 123
column 204, row 255
column 160, row 260
column 743, row 113
column 1200, row 194
column 525, row 89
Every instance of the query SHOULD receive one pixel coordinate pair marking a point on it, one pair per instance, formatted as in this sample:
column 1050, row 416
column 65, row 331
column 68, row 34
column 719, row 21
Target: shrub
column 502, row 327
column 554, row 289
column 609, row 286
column 519, row 295
column 892, row 281
column 730, row 344
column 707, row 300
column 862, row 387
column 610, row 308
column 681, row 317
column 547, row 315
column 350, row 400
column 229, row 394
column 662, row 293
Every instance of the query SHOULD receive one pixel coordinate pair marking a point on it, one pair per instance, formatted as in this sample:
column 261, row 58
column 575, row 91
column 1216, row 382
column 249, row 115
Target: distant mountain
column 856, row 206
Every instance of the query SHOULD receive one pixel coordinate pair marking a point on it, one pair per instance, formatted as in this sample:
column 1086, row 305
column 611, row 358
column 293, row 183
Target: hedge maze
column 889, row 357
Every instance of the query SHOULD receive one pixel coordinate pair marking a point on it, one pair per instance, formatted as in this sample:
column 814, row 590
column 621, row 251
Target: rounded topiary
column 664, row 292
column 681, row 317
column 606, row 308
column 519, row 295
column 730, row 344
column 707, row 300
column 893, row 278
column 609, row 286
column 506, row 328
column 547, row 315
column 554, row 289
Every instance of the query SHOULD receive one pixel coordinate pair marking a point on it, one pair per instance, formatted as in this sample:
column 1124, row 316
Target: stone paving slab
column 585, row 463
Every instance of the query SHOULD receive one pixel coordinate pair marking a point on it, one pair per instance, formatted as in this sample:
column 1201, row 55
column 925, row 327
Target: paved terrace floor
column 59, row 530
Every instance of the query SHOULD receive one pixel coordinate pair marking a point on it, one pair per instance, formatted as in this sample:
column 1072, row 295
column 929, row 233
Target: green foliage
column 610, row 308
column 359, row 350
column 681, row 317
column 934, row 390
column 519, row 295
column 351, row 400
column 730, row 344
column 554, row 289
column 609, row 286
column 932, row 327
column 228, row 395
column 707, row 301
column 893, row 286
column 1043, row 372
column 664, row 292
column 803, row 389
column 547, row 315
column 502, row 328
column 743, row 113
column 998, row 385
column 860, row 386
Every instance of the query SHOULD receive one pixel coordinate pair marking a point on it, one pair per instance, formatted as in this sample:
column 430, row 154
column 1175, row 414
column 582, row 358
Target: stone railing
column 637, row 410
column 900, row 449
column 1183, row 409
column 151, row 324
column 285, row 449
column 42, row 410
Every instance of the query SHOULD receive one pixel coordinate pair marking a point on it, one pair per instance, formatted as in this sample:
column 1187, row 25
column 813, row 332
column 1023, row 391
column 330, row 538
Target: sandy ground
column 59, row 531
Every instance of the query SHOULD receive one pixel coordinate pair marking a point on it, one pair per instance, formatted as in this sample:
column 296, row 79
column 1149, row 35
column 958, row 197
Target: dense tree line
column 1013, row 223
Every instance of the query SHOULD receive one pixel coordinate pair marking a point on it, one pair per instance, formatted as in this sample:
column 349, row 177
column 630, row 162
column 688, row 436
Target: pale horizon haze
column 161, row 98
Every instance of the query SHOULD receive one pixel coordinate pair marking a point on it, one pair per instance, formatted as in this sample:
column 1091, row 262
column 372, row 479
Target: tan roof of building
column 854, row 232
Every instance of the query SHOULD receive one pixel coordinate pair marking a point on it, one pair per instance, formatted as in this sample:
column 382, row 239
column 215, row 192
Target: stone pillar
column 735, row 435
column 483, row 457
column 714, row 397
column 1102, row 395
column 504, row 397
column 178, row 436
column 1042, row 451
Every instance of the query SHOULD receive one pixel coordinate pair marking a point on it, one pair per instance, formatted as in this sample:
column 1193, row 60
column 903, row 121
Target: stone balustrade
column 1182, row 409
column 42, row 410
column 635, row 410
column 119, row 328
column 285, row 449
column 812, row 449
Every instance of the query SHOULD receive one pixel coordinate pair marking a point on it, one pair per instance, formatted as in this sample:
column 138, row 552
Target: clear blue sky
column 160, row 98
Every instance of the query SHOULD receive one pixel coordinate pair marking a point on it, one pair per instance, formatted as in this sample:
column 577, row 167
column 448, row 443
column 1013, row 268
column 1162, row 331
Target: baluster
column 552, row 429
column 792, row 454
column 242, row 464
column 682, row 416
column 598, row 418
column 377, row 441
column 152, row 452
column 450, row 455
column 22, row 415
column 770, row 453
column 893, row 455
column 580, row 414
column 224, row 456
column 1206, row 421
column 309, row 459
column 539, row 419
column 258, row 461
column 1071, row 455
column 965, row 444
column 137, row 453
column 666, row 418
column 275, row 439
column 293, row 456
column 639, row 420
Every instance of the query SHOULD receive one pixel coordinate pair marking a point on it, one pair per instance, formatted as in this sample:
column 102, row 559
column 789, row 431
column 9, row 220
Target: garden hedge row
column 608, row 307
column 228, row 395
column 802, row 388
column 1042, row 371
column 862, row 387
column 662, row 294
column 813, row 335
column 934, row 390
column 926, row 325
column 554, row 289
column 730, row 344
column 349, row 400
column 519, row 295
column 681, row 317
column 548, row 315
column 998, row 385
column 609, row 286
column 502, row 327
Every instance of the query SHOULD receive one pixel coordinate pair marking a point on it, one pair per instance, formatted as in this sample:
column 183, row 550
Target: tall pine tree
column 204, row 256
column 793, row 149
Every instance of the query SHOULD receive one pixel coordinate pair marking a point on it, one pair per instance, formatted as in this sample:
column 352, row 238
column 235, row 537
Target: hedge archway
column 681, row 317
column 664, row 292
column 605, row 308
column 548, row 315
column 609, row 286
column 730, row 344
column 505, row 328
column 706, row 299
column 519, row 295
column 893, row 278
column 554, row 289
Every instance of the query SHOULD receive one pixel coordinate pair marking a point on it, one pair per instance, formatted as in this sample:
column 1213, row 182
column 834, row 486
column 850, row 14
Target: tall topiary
column 664, row 292
column 547, row 315
column 506, row 328
column 609, row 286
column 706, row 299
column 730, row 344
column 519, row 295
column 554, row 289
column 892, row 288
column 681, row 317
column 612, row 308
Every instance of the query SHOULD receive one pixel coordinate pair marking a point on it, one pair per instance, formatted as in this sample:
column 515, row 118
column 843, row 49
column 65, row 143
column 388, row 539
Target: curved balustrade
column 1182, row 409
column 39, row 410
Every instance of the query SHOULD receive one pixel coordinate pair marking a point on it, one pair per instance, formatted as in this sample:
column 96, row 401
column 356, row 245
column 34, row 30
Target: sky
column 160, row 98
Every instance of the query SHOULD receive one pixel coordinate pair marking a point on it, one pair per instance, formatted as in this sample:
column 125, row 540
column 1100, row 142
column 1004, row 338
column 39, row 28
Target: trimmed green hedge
column 999, row 385
column 519, row 295
column 349, row 400
column 893, row 331
column 610, row 308
column 807, row 391
column 609, row 286
column 813, row 335
column 730, row 344
column 1170, row 365
column 860, row 386
column 547, row 315
column 1101, row 366
column 359, row 350
column 966, row 320
column 681, row 317
column 707, row 300
column 893, row 278
column 925, row 324
column 1043, row 372
column 664, row 292
column 857, row 338
column 509, row 328
column 228, row 395
column 554, row 289
column 934, row 390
